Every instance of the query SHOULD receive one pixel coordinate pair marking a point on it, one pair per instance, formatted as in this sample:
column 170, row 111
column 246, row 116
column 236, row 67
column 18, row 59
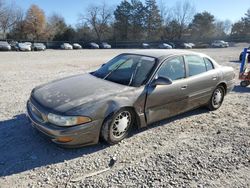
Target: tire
column 244, row 83
column 217, row 98
column 110, row 131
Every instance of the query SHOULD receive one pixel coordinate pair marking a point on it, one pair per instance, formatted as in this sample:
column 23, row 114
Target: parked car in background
column 220, row 44
column 201, row 45
column 248, row 54
column 38, row 47
column 28, row 43
column 93, row 45
column 24, row 46
column 133, row 90
column 187, row 46
column 76, row 46
column 191, row 44
column 4, row 46
column 171, row 44
column 145, row 45
column 105, row 45
column 165, row 46
column 14, row 45
column 66, row 46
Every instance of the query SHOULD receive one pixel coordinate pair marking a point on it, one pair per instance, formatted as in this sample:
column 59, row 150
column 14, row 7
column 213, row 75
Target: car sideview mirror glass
column 161, row 81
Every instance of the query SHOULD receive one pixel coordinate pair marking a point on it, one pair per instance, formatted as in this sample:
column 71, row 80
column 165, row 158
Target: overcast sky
column 221, row 9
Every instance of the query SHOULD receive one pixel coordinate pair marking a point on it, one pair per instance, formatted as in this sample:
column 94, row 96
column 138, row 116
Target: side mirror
column 103, row 64
column 161, row 81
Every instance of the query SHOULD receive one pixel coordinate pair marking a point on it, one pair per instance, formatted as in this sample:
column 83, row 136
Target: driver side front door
column 167, row 100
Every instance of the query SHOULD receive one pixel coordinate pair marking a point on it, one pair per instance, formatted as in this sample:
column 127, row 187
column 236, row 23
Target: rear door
column 202, row 80
column 167, row 100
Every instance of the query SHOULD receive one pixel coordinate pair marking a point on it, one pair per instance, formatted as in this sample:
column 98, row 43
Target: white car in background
column 187, row 46
column 66, row 46
column 220, row 44
column 24, row 46
column 77, row 46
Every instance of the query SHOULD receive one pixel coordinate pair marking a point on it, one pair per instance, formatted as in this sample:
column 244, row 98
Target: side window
column 196, row 65
column 173, row 69
column 209, row 64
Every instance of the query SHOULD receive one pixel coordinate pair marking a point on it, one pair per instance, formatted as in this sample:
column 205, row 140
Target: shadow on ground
column 235, row 61
column 24, row 148
column 240, row 89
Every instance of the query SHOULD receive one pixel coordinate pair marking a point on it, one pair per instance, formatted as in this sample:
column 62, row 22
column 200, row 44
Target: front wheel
column 217, row 98
column 117, row 127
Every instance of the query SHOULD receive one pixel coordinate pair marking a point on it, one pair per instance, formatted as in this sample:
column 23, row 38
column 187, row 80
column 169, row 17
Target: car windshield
column 130, row 70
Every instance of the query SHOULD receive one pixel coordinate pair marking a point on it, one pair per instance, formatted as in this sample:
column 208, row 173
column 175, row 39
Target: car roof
column 159, row 54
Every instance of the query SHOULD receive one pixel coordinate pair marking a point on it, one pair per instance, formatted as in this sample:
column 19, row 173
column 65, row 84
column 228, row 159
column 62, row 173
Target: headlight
column 67, row 120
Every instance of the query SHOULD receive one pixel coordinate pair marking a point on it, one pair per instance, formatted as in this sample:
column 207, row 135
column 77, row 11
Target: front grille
column 40, row 117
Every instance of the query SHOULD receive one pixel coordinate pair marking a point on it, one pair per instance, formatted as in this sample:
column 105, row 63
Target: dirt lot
column 196, row 149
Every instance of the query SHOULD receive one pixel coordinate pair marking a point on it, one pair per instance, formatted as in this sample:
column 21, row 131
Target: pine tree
column 122, row 20
column 153, row 20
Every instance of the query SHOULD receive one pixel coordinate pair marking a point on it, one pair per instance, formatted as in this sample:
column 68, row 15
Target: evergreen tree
column 137, row 20
column 122, row 20
column 153, row 20
column 203, row 26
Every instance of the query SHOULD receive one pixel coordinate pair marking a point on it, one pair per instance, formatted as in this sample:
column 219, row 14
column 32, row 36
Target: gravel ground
column 195, row 149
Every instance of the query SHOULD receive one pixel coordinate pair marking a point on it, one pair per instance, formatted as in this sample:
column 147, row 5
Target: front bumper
column 81, row 135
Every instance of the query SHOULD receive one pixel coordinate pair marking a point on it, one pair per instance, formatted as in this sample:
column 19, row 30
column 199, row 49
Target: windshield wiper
column 117, row 67
column 133, row 75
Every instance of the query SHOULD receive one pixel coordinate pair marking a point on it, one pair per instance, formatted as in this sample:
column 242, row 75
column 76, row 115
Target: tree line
column 131, row 20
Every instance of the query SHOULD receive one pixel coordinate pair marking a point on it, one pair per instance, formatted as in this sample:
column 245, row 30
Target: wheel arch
column 224, row 85
column 133, row 110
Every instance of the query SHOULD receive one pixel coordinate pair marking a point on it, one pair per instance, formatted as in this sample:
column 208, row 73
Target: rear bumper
column 80, row 135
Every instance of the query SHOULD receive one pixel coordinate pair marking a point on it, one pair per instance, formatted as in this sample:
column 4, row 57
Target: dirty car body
column 161, row 84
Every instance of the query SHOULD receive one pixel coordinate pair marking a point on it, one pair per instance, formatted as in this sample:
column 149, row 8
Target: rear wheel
column 117, row 127
column 217, row 98
column 244, row 83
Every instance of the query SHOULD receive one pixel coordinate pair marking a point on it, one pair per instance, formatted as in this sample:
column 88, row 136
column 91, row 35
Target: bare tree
column 99, row 18
column 165, row 12
column 9, row 16
column 1, row 8
column 183, row 13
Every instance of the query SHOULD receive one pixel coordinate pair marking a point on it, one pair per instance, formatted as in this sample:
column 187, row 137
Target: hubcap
column 217, row 98
column 121, row 124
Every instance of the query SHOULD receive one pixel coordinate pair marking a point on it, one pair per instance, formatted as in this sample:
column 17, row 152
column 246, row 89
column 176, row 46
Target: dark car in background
column 4, row 46
column 14, row 45
column 131, row 90
column 105, row 45
column 145, row 45
column 165, row 46
column 201, row 45
column 93, row 45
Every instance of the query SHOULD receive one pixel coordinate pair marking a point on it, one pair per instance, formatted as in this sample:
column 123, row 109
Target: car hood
column 65, row 94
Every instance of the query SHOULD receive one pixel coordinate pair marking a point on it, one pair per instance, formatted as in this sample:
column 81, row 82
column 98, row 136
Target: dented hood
column 65, row 94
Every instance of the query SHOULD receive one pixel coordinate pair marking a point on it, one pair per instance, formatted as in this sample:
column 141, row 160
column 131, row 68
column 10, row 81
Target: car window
column 173, row 69
column 196, row 64
column 209, row 64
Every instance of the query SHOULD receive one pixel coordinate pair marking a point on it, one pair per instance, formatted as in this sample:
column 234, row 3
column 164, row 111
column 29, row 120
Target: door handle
column 214, row 78
column 183, row 87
